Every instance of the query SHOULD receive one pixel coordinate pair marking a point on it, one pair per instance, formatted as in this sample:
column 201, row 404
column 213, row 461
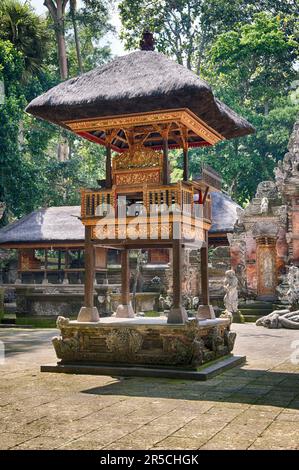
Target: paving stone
column 279, row 435
column 255, row 406
column 9, row 439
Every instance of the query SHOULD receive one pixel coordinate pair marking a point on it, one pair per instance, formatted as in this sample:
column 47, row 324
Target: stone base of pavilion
column 197, row 349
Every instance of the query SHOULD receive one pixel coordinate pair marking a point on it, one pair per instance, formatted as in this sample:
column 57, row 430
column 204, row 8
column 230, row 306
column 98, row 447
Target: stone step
column 258, row 311
column 251, row 318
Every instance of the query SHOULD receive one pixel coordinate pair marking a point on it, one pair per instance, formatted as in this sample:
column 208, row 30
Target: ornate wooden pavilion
column 140, row 106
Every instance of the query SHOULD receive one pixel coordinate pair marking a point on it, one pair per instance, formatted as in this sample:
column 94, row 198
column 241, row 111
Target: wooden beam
column 186, row 164
column 108, row 167
column 125, row 278
column 177, row 273
column 166, row 178
column 89, row 269
column 204, row 260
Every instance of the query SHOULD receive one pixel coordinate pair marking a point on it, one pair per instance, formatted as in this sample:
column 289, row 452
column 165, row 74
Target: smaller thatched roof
column 54, row 224
column 62, row 224
column 143, row 81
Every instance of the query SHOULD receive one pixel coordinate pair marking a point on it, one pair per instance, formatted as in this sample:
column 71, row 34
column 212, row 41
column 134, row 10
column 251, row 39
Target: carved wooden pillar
column 66, row 267
column 88, row 313
column 125, row 309
column 89, row 269
column 166, row 178
column 125, row 278
column 108, row 167
column 45, row 280
column 177, row 313
column 186, row 165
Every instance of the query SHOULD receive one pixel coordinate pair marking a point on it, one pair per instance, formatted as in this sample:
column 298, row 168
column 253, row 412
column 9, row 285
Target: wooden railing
column 172, row 197
column 96, row 203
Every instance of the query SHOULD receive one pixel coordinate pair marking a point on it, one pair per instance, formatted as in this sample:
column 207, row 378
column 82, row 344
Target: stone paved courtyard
column 255, row 406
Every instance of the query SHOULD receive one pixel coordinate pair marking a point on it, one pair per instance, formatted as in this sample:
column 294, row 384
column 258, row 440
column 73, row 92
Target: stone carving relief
column 189, row 344
column 265, row 229
column 124, row 341
column 280, row 319
column 289, row 288
column 264, row 205
column 266, row 189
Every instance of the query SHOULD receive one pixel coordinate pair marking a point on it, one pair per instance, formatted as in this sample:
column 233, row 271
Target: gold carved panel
column 147, row 161
column 127, row 178
column 138, row 157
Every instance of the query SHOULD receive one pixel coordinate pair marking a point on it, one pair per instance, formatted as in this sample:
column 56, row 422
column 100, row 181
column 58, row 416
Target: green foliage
column 26, row 31
column 185, row 29
column 251, row 69
column 92, row 23
column 31, row 175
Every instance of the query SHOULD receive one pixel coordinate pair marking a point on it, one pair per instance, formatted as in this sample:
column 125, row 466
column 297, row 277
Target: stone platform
column 144, row 347
column 203, row 373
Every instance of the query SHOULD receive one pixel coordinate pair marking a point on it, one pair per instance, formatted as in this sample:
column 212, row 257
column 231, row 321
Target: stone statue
column 279, row 176
column 280, row 319
column 231, row 289
column 165, row 302
column 264, row 205
column 287, row 164
column 239, row 224
column 195, row 302
column 266, row 189
column 293, row 283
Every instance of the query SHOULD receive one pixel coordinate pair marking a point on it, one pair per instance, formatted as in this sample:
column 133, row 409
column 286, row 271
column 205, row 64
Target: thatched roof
column 139, row 82
column 54, row 224
column 61, row 224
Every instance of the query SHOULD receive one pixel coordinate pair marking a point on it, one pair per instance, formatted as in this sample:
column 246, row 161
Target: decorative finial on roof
column 147, row 42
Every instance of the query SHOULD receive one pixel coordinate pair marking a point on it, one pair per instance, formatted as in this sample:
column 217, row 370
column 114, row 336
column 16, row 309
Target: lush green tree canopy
column 247, row 51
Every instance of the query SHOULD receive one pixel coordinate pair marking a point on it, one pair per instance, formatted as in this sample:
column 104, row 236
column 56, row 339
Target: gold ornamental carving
column 136, row 178
column 138, row 157
column 183, row 116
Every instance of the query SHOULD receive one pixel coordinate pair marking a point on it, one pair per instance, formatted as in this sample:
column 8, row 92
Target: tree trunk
column 73, row 8
column 57, row 13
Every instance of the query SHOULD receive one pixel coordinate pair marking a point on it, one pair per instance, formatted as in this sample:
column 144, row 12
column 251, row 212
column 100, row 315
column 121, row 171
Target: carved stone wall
column 189, row 345
column 266, row 236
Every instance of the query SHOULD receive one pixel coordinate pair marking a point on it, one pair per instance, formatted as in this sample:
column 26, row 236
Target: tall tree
column 57, row 11
column 73, row 13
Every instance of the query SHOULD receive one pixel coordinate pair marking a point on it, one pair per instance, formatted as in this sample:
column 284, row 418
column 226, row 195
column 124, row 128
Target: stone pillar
column 205, row 311
column 125, row 309
column 177, row 312
column 88, row 313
